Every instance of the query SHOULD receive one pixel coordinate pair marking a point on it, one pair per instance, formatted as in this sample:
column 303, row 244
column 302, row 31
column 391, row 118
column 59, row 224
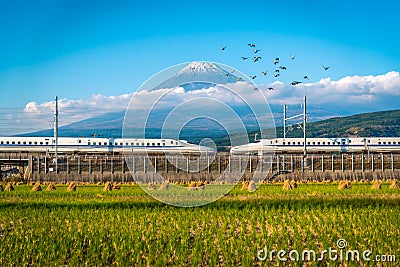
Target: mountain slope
column 382, row 123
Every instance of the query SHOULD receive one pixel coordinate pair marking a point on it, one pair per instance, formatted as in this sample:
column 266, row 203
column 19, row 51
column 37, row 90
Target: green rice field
column 126, row 227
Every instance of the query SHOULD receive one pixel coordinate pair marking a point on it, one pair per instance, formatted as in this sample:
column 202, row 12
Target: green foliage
column 128, row 228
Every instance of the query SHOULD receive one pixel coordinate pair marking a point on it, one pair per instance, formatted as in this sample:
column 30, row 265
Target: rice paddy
column 101, row 225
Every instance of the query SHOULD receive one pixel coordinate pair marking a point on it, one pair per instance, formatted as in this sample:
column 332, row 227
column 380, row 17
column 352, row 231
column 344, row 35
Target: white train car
column 321, row 145
column 158, row 146
column 98, row 145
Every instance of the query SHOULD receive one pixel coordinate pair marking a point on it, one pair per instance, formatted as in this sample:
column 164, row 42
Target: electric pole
column 56, row 132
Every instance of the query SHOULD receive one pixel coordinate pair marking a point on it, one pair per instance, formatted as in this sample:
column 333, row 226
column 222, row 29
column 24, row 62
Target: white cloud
column 366, row 93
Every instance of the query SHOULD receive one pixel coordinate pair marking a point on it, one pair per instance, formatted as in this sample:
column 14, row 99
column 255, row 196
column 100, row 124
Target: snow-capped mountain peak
column 202, row 67
column 203, row 73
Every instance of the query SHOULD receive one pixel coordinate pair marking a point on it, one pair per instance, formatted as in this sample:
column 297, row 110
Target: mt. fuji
column 199, row 75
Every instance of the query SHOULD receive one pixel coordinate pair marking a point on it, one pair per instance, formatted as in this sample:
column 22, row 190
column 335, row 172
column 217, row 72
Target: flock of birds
column 278, row 68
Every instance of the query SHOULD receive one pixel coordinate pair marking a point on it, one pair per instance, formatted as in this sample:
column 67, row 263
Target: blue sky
column 77, row 49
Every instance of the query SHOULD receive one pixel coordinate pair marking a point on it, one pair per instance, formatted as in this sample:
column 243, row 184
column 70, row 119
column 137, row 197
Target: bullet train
column 320, row 145
column 78, row 145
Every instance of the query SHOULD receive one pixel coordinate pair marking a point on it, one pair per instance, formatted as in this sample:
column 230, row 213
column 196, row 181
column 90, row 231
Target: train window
column 142, row 144
column 288, row 143
column 13, row 142
column 158, row 144
column 176, row 143
column 47, row 143
column 24, row 142
column 148, row 144
column 283, row 143
column 7, row 142
column 163, row 144
column 30, row 142
column 270, row 142
column 313, row 143
column 35, row 143
column 94, row 143
column 319, row 143
column 126, row 144
column 349, row 141
column 329, row 143
column 41, row 143
column 298, row 143
column 1, row 142
column 308, row 143
column 88, row 143
column 105, row 143
column 120, row 144
column 384, row 143
column 19, row 142
column 132, row 144
column 389, row 143
column 369, row 141
column 379, row 143
column 323, row 143
column 153, row 144
column 137, row 144
column 79, row 141
column 172, row 142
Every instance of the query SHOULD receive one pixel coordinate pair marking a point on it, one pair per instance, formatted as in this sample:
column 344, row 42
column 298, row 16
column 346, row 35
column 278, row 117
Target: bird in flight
column 253, row 77
column 292, row 57
column 244, row 58
column 239, row 79
column 256, row 50
column 276, row 74
column 271, row 88
column 223, row 47
column 306, row 77
column 276, row 61
column 282, row 67
column 256, row 89
column 252, row 45
column 294, row 83
column 227, row 74
column 264, row 72
column 325, row 67
column 255, row 59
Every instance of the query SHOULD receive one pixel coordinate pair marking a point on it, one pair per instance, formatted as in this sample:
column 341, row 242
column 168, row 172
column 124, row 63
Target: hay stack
column 36, row 187
column 164, row 185
column 192, row 186
column 116, row 187
column 245, row 185
column 395, row 184
column 344, row 185
column 9, row 187
column 376, row 185
column 51, row 187
column 151, row 186
column 252, row 186
column 288, row 185
column 200, row 185
column 108, row 187
column 71, row 186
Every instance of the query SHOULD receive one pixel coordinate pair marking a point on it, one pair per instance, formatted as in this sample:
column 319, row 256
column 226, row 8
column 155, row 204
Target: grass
column 127, row 227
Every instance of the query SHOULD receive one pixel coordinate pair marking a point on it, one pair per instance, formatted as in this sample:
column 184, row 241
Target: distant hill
column 381, row 123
